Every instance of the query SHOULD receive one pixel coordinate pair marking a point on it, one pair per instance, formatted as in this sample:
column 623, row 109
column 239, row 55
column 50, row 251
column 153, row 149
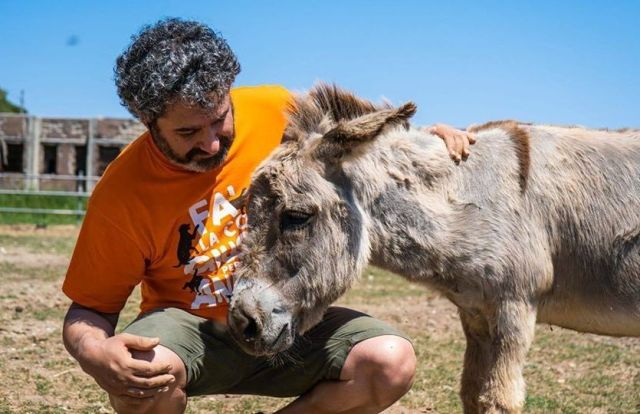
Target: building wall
column 90, row 137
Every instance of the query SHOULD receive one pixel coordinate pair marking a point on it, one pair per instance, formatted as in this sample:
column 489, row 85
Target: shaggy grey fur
column 174, row 60
column 540, row 224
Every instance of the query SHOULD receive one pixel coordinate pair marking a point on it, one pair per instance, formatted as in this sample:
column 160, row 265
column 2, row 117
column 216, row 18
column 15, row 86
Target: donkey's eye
column 294, row 220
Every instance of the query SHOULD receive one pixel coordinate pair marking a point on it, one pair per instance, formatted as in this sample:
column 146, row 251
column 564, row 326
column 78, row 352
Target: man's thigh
column 215, row 365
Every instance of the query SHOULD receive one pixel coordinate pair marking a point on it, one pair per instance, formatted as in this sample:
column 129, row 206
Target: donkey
column 542, row 224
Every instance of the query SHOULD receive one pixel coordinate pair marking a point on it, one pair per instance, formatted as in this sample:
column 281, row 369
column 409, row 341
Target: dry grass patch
column 567, row 372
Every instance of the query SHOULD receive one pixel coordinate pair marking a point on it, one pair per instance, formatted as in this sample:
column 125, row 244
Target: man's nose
column 211, row 142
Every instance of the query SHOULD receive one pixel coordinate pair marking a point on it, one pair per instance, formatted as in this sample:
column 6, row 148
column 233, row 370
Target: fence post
column 90, row 153
column 32, row 153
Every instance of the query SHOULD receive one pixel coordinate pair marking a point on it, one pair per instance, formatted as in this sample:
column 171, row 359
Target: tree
column 8, row 106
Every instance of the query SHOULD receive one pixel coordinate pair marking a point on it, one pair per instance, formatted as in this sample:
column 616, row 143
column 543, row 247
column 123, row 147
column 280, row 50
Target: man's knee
column 393, row 362
column 123, row 404
column 388, row 361
column 171, row 400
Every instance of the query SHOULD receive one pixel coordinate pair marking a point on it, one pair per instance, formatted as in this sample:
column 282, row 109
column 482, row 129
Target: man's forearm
column 83, row 327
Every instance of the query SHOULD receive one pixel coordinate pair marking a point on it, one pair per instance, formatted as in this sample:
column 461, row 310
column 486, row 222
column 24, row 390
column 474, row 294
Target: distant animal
column 541, row 223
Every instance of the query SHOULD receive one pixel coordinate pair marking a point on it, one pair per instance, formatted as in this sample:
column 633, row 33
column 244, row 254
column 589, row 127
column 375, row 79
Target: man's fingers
column 139, row 343
column 450, row 143
column 145, row 393
column 156, row 382
column 148, row 369
column 451, row 146
column 457, row 147
column 471, row 137
column 139, row 393
column 465, row 148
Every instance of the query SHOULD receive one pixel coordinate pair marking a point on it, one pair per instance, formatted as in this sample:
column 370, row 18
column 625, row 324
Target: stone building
column 57, row 153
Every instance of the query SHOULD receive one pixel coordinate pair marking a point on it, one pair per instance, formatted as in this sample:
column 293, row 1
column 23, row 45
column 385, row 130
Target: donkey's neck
column 399, row 184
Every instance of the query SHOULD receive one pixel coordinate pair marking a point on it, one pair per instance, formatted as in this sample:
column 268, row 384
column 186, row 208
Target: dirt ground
column 567, row 372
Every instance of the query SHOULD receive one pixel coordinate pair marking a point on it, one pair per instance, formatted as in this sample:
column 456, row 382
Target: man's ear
column 345, row 136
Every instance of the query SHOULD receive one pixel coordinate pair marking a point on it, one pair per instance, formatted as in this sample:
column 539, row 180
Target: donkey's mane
column 325, row 102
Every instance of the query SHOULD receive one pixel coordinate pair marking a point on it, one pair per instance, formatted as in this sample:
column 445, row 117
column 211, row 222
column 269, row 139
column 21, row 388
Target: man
column 163, row 215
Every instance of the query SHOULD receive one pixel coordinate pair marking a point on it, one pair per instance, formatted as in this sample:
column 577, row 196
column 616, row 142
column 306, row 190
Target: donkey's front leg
column 511, row 328
column 478, row 337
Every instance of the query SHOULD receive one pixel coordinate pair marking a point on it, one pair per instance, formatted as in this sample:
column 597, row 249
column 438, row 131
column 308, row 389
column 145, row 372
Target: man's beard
column 189, row 161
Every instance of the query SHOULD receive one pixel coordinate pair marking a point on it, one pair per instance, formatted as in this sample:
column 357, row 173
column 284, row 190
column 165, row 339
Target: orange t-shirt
column 175, row 231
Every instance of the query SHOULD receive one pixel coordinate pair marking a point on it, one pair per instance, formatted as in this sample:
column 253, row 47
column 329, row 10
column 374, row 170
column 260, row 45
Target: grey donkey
column 542, row 223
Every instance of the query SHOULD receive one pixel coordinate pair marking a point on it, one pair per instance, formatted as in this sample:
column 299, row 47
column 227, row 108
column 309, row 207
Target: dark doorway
column 13, row 158
column 81, row 160
column 50, row 164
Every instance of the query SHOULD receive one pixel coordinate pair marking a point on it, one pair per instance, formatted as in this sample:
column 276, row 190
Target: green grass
column 36, row 243
column 5, row 407
column 535, row 402
column 43, row 386
column 33, row 272
column 53, row 314
column 375, row 284
column 43, row 202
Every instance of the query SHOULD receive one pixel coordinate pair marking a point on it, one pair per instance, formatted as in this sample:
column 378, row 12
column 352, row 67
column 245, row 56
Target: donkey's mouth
column 281, row 336
column 284, row 340
column 265, row 347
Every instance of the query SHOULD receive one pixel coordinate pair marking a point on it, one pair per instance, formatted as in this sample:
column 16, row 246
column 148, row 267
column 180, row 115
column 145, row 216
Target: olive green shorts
column 216, row 365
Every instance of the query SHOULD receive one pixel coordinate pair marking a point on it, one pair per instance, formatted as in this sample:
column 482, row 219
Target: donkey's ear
column 349, row 134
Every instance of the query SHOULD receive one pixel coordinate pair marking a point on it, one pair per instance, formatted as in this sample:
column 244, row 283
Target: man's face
column 195, row 138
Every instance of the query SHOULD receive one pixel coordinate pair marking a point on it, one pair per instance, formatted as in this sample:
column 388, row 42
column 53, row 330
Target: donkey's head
column 308, row 236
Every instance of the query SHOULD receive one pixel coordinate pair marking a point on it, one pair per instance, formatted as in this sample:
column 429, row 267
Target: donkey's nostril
column 245, row 325
column 250, row 331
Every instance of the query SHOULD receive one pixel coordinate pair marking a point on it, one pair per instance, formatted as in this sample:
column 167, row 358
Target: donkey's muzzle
column 259, row 321
column 246, row 327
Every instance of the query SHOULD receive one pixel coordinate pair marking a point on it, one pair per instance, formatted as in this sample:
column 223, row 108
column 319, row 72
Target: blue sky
column 462, row 62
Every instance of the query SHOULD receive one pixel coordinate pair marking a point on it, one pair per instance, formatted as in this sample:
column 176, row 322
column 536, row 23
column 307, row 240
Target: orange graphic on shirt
column 213, row 259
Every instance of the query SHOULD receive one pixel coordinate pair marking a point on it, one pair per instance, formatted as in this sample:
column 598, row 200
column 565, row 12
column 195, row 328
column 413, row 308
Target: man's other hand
column 457, row 141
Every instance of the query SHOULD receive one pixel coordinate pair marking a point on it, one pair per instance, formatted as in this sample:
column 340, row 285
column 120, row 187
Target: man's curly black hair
column 172, row 60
